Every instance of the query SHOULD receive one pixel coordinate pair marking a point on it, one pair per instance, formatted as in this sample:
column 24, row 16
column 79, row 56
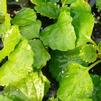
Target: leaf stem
column 94, row 64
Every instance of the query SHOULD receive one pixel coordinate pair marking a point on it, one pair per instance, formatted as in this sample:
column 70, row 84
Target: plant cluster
column 65, row 47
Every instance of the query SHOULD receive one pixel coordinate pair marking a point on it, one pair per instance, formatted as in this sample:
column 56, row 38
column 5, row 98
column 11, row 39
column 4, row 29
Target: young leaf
column 88, row 53
column 76, row 84
column 10, row 40
column 48, row 9
column 61, row 35
column 83, row 21
column 24, row 17
column 41, row 55
column 19, row 64
column 32, row 30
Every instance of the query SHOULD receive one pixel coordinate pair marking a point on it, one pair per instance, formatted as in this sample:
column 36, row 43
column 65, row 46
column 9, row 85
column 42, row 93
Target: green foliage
column 41, row 55
column 19, row 62
column 4, row 98
column 30, row 88
column 38, row 2
column 51, row 35
column 59, row 35
column 24, row 17
column 88, row 53
column 3, row 7
column 60, row 61
column 78, row 82
column 97, row 85
column 10, row 40
column 32, row 30
column 48, row 9
column 98, row 4
column 83, row 21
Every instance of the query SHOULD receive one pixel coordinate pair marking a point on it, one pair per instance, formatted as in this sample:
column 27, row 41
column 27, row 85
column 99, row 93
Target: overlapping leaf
column 19, row 64
column 60, row 61
column 24, row 17
column 76, row 84
column 48, row 9
column 32, row 30
column 30, row 88
column 83, row 21
column 41, row 55
column 61, row 35
column 10, row 40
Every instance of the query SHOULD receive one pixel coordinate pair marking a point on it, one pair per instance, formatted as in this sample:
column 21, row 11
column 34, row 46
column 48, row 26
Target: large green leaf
column 61, row 35
column 48, row 9
column 83, row 21
column 31, row 88
column 76, row 84
column 60, row 61
column 32, row 30
column 41, row 55
column 10, row 40
column 24, row 17
column 19, row 64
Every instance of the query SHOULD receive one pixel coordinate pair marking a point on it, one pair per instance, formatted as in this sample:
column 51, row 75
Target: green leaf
column 48, row 9
column 32, row 30
column 4, row 98
column 30, row 88
column 64, row 2
column 10, row 40
column 83, row 21
column 98, row 4
column 38, row 2
column 5, row 24
column 3, row 7
column 97, row 87
column 60, row 61
column 19, row 64
column 41, row 55
column 24, row 17
column 61, row 35
column 76, row 84
column 88, row 53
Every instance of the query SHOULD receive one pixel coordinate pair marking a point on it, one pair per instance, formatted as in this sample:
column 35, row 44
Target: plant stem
column 94, row 64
